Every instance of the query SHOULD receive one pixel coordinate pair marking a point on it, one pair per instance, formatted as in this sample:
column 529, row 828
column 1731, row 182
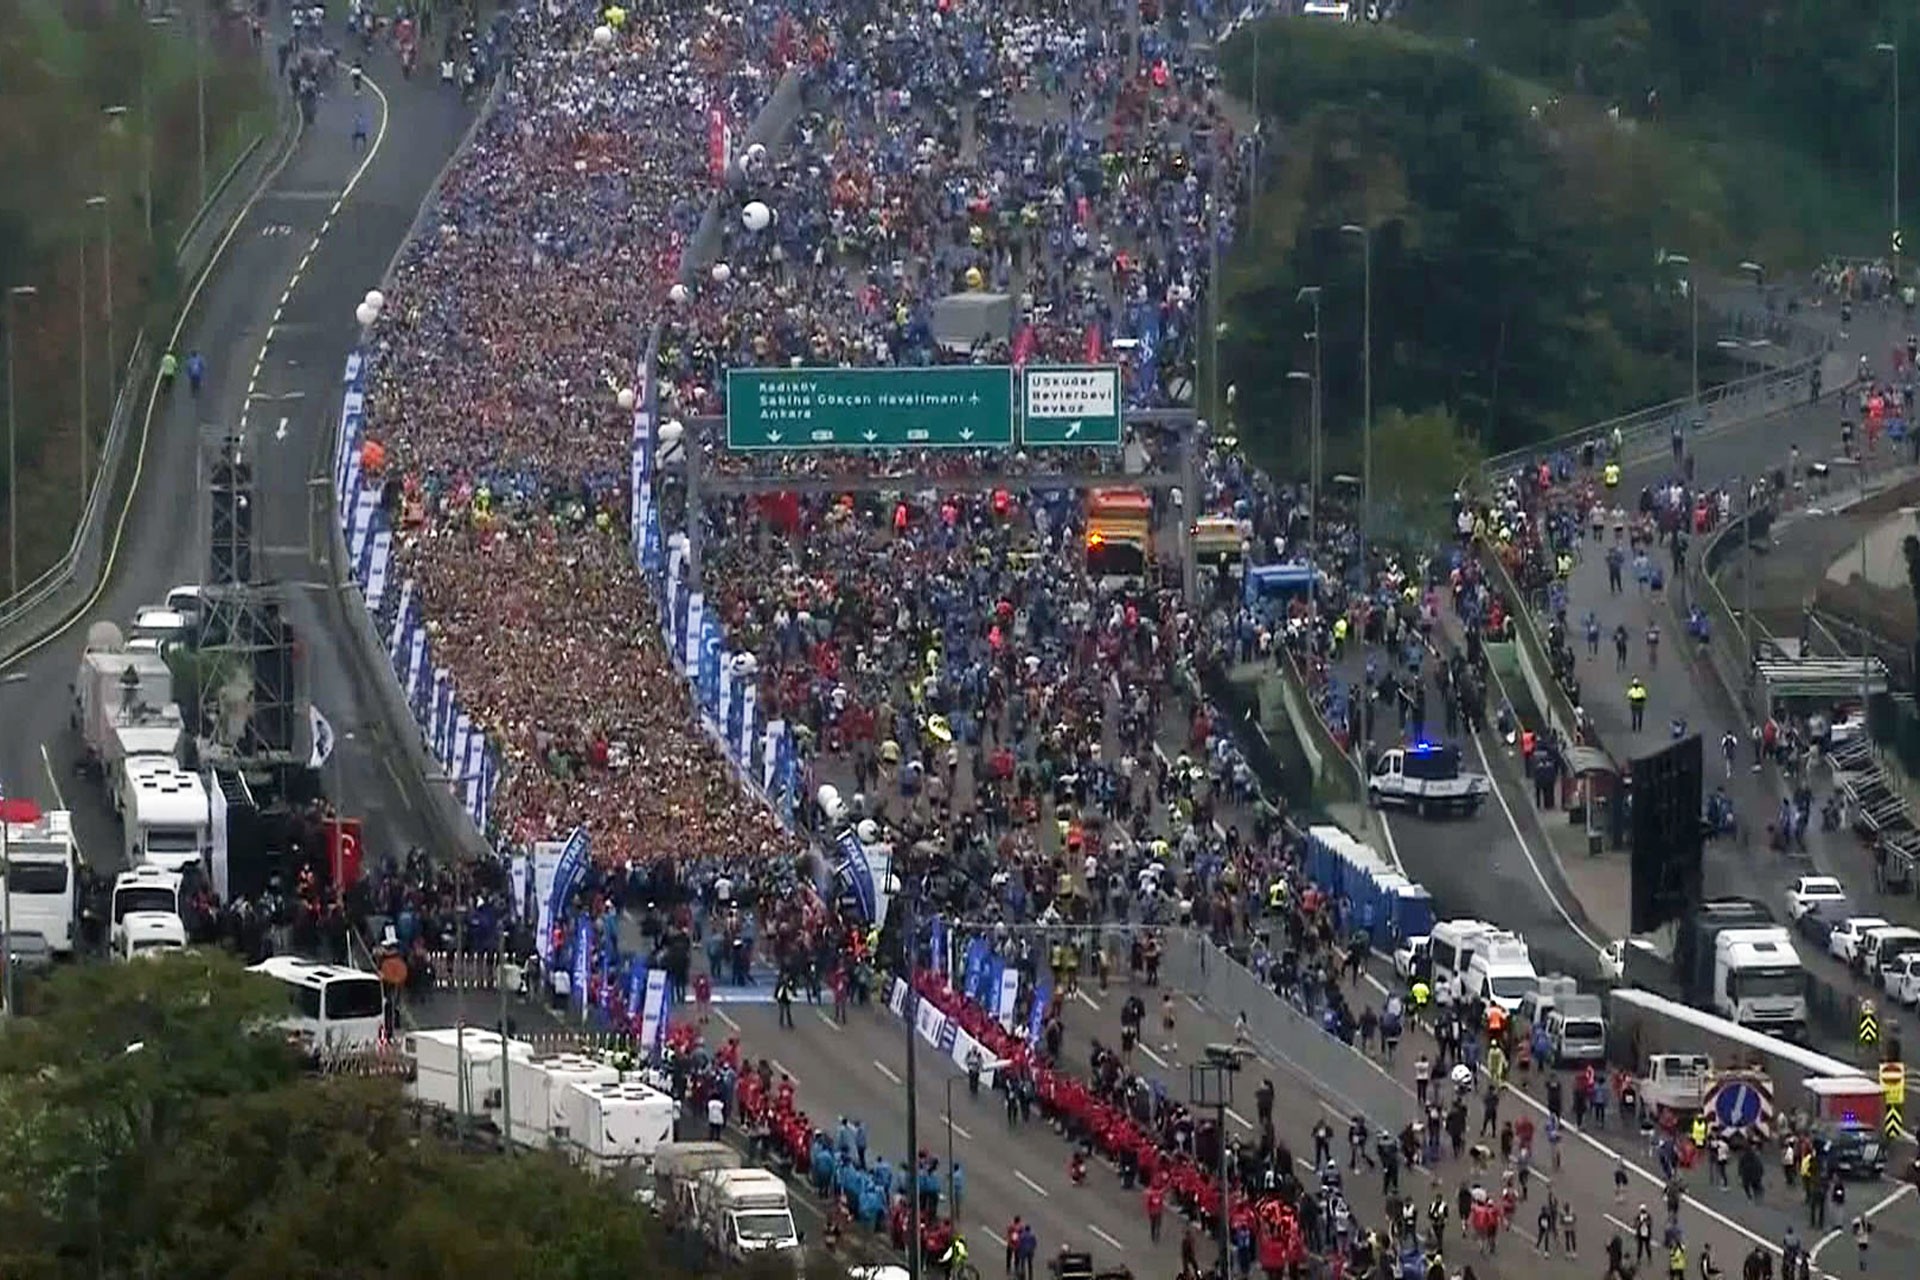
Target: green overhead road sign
column 944, row 407
column 1071, row 405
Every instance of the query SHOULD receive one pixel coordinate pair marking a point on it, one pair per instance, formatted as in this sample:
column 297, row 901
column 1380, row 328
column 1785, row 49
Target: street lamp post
column 14, row 295
column 1315, row 445
column 200, row 91
column 86, row 426
column 1892, row 50
column 106, row 231
column 1210, row 1084
column 1366, row 356
column 1693, row 303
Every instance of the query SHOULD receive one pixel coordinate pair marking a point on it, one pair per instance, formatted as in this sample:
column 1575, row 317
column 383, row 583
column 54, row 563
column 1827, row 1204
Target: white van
column 1450, row 948
column 142, row 934
column 1501, row 972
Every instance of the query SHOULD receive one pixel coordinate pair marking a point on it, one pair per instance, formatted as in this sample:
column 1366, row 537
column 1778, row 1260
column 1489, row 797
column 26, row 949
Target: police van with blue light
column 1426, row 778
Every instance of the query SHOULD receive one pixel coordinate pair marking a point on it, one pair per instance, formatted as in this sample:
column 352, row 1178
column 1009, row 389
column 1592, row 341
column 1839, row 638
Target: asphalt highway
column 322, row 231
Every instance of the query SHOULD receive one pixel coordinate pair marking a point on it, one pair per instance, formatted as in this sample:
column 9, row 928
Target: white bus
column 43, row 889
column 333, row 1009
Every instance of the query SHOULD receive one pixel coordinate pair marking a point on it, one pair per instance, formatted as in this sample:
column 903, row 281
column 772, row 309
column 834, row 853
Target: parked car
column 1844, row 943
column 1809, row 890
column 1818, row 924
column 1901, row 979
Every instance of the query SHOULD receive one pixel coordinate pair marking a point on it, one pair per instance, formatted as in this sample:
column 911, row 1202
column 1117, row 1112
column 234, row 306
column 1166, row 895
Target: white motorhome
column 456, row 1069
column 536, row 1085
column 166, row 819
column 1450, row 949
column 42, row 888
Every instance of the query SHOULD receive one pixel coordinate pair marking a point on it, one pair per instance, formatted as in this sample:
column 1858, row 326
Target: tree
column 154, row 1123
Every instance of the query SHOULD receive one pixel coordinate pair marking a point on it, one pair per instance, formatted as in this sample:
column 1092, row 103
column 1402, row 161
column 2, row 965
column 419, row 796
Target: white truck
column 123, row 707
column 166, row 820
column 1427, row 779
column 741, row 1212
column 140, row 890
column 1759, row 980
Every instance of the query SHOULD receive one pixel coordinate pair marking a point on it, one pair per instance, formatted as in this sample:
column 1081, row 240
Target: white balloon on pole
column 722, row 273
column 626, row 398
column 757, row 152
column 366, row 315
column 677, row 294
column 671, row 431
column 756, row 216
column 602, row 36
column 376, row 299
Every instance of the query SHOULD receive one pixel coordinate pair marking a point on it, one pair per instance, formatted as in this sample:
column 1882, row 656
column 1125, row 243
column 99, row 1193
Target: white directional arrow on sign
column 773, row 437
column 1073, row 428
column 966, row 433
column 870, row 435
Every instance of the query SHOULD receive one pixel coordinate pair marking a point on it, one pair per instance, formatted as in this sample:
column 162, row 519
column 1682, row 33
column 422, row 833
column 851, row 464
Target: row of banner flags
column 604, row 986
column 763, row 751
column 460, row 746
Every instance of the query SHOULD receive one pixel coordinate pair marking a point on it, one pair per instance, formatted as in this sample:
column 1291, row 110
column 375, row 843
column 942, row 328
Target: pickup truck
column 1426, row 778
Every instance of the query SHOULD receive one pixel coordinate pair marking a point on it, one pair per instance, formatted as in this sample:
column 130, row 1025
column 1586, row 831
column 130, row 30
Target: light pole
column 200, row 90
column 1210, row 1085
column 14, row 295
column 1892, row 50
column 1315, row 445
column 106, row 229
column 1693, row 302
column 1313, row 480
column 1366, row 356
column 114, row 114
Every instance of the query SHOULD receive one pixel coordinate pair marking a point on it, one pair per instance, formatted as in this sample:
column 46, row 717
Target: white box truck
column 442, row 1056
column 741, row 1212
column 615, row 1126
column 536, row 1084
column 1759, row 980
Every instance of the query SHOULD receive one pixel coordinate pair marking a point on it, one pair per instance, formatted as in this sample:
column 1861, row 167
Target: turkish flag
column 344, row 850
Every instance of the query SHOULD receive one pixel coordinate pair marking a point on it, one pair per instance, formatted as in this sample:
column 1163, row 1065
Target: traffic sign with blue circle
column 1737, row 1104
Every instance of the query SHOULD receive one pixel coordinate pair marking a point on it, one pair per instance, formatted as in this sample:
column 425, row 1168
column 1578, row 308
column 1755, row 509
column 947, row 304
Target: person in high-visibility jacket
column 1637, row 702
column 169, row 366
column 1612, row 475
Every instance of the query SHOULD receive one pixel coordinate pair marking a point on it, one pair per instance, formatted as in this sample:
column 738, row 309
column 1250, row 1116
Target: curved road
column 290, row 230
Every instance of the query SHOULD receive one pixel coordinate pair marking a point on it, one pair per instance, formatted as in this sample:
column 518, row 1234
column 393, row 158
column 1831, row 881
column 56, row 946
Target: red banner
column 1096, row 344
column 1023, row 345
column 344, row 850
column 719, row 142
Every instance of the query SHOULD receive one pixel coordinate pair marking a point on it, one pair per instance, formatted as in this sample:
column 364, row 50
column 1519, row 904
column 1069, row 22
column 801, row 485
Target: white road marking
column 827, row 1019
column 1239, row 1119
column 53, row 780
column 781, row 1070
column 1148, row 1050
column 1031, row 1184
column 955, row 1126
column 1887, row 1202
column 1104, row 1236
column 886, row 1071
column 1086, row 999
column 994, row 1236
column 721, row 1014
column 280, row 432
column 1526, row 849
column 1197, row 1006
column 1375, row 983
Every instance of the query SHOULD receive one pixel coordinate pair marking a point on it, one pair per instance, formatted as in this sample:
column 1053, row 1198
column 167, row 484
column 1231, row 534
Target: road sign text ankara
column 945, row 407
column 1071, row 405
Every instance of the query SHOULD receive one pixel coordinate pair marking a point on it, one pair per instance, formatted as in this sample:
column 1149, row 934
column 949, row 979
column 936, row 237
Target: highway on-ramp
column 298, row 260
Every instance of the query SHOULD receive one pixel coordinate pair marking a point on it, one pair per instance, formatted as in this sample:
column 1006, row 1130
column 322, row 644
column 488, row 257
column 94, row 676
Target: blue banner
column 572, row 869
column 857, row 872
column 636, row 988
column 1037, row 1016
column 582, row 957
column 937, row 943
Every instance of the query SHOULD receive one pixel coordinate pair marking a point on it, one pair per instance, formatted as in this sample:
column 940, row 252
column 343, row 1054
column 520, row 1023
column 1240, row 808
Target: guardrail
column 193, row 252
column 1336, row 777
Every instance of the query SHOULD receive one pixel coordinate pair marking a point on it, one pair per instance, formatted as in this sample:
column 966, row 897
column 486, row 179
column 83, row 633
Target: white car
column 1901, row 979
column 1613, row 962
column 1408, row 953
column 1844, row 941
column 1810, row 891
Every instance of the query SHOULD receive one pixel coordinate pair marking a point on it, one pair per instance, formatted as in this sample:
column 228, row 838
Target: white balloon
column 626, row 398
column 722, row 273
column 677, row 294
column 756, row 216
column 671, row 431
column 366, row 315
column 757, row 152
column 602, row 36
column 376, row 299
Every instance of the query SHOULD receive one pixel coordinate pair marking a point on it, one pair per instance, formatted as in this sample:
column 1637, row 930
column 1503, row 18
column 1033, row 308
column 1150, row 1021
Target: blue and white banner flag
column 857, row 872
column 691, row 632
column 568, row 873
column 653, row 1012
column 582, row 958
column 1037, row 1016
column 379, row 564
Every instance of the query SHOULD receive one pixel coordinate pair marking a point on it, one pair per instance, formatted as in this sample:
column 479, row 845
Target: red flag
column 344, row 850
column 1096, row 344
column 21, row 811
column 1023, row 344
column 719, row 142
